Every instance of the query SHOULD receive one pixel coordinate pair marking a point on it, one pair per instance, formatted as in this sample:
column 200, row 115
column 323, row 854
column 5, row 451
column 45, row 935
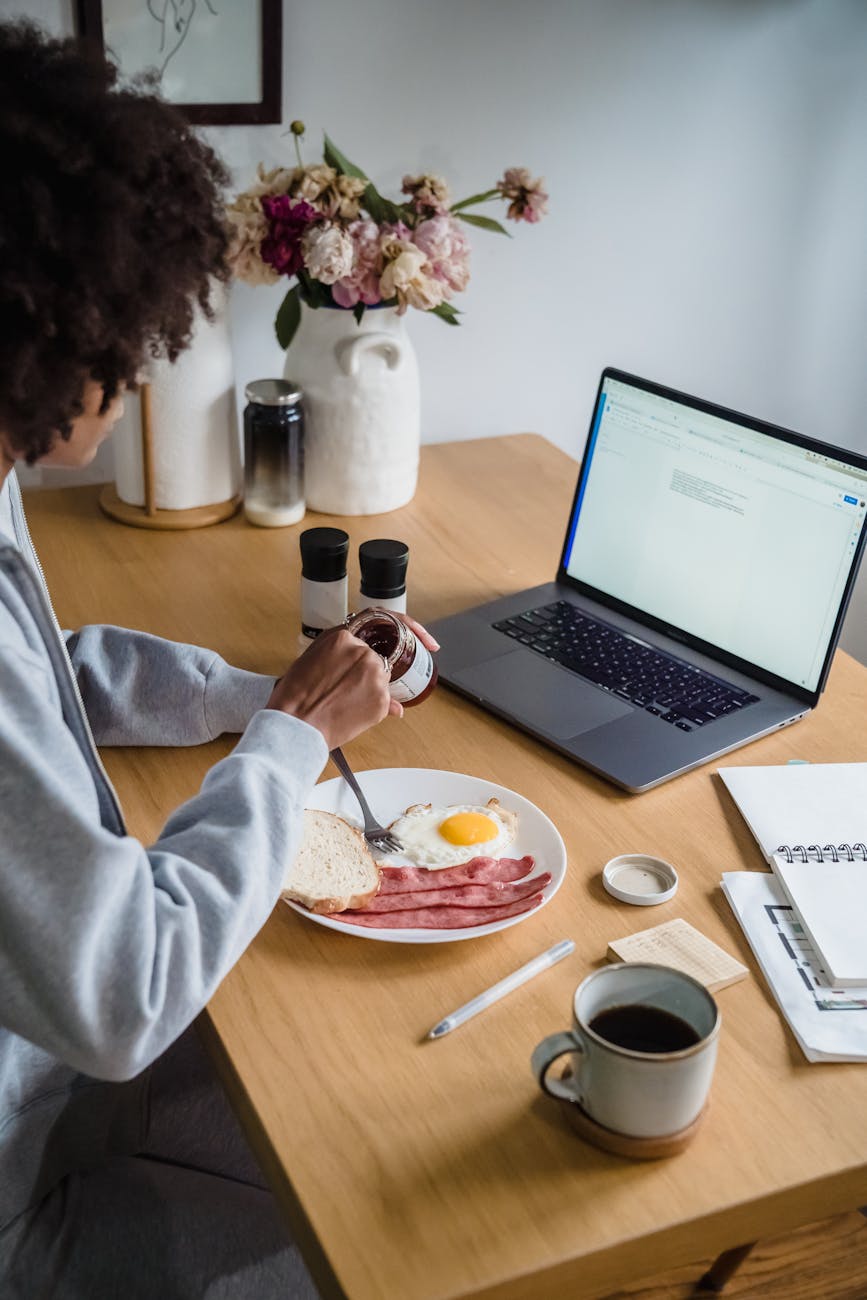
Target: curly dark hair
column 111, row 229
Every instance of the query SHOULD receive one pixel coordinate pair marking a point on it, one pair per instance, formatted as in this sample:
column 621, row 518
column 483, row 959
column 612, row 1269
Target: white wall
column 708, row 222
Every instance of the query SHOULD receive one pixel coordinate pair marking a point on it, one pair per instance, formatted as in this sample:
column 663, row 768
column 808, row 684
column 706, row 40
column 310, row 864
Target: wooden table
column 413, row 1170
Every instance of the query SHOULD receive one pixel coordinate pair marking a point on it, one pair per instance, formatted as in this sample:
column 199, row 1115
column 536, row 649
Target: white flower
column 328, row 253
column 424, row 293
column 309, row 182
column 248, row 226
column 407, row 277
column 278, row 180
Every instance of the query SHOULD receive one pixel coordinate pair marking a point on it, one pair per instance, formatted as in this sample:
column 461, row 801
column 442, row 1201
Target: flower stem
column 298, row 151
column 476, row 198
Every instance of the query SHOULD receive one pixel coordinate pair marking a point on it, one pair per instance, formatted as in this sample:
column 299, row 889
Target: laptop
column 706, row 568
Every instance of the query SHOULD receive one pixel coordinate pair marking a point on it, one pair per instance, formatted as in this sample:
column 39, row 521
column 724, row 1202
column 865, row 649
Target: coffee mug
column 642, row 1045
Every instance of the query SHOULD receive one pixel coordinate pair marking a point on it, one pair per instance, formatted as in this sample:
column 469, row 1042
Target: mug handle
column 545, row 1054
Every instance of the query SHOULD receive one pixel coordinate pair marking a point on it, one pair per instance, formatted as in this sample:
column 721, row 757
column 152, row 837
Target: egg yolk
column 468, row 828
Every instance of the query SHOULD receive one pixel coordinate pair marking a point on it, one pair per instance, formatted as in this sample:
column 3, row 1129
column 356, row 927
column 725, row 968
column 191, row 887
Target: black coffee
column 644, row 1029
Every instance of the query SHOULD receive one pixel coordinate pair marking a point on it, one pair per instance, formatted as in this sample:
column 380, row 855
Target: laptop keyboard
column 662, row 684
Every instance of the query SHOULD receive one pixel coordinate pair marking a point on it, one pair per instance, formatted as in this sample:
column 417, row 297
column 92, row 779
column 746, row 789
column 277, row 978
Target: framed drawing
column 219, row 61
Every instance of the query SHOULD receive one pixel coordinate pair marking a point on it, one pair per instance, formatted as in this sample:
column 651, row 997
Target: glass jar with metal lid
column 273, row 453
column 412, row 672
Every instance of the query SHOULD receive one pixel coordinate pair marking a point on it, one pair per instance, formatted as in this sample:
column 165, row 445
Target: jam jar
column 410, row 664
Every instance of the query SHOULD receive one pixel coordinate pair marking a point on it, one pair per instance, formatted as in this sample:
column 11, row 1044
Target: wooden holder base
column 138, row 516
column 633, row 1148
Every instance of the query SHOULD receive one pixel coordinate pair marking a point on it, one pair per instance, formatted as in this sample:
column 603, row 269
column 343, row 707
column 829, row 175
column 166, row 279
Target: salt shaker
column 273, row 453
column 323, row 581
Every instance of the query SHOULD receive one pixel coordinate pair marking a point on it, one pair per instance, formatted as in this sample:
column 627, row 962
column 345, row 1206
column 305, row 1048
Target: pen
column 497, row 991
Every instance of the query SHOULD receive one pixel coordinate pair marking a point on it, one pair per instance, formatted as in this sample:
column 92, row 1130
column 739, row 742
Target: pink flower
column 287, row 221
column 429, row 195
column 394, row 230
column 362, row 282
column 445, row 246
column 529, row 202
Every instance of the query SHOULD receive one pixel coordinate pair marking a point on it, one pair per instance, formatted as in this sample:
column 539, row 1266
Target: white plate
column 391, row 790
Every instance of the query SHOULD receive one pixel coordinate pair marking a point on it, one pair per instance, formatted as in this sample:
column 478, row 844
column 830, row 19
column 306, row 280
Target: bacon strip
column 494, row 894
column 478, row 871
column 439, row 918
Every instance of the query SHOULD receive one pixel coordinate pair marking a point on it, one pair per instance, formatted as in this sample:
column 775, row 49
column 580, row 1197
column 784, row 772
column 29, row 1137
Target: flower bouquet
column 345, row 245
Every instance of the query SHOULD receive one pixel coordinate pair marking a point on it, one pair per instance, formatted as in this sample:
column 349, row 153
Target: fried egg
column 444, row 836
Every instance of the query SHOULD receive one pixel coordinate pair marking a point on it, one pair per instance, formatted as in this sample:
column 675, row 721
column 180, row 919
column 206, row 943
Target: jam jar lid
column 272, row 392
column 640, row 878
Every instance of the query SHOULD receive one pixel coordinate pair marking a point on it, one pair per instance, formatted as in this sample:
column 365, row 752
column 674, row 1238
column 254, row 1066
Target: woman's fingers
column 421, row 632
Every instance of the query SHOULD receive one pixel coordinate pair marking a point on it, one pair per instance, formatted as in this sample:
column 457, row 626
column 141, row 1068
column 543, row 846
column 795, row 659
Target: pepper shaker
column 383, row 562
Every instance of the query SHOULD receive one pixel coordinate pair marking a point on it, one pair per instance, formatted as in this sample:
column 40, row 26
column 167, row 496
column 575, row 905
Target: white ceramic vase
column 196, row 455
column 361, row 409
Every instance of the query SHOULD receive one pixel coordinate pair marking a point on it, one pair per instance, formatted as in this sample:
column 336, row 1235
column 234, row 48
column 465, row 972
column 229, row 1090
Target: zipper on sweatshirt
column 19, row 517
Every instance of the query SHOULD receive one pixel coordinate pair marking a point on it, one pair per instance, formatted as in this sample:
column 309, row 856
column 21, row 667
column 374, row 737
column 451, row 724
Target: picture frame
column 218, row 61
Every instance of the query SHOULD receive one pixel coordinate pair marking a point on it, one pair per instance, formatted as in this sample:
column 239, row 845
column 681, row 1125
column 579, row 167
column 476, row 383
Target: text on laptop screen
column 734, row 536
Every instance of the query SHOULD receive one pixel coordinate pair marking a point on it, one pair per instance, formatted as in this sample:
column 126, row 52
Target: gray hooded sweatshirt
column 109, row 949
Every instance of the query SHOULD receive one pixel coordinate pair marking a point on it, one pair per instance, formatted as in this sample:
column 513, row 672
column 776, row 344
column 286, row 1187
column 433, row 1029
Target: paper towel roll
column 194, row 426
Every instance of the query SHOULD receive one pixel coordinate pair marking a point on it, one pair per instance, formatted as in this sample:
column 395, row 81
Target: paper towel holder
column 150, row 515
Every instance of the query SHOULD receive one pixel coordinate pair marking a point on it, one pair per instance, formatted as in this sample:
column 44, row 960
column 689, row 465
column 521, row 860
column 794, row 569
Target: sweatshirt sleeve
column 140, row 689
column 109, row 949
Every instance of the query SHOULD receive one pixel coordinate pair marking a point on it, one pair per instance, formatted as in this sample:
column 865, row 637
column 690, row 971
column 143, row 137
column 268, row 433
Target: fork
column 379, row 837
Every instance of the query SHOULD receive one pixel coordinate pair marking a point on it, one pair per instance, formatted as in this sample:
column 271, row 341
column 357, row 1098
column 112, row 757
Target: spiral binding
column 827, row 853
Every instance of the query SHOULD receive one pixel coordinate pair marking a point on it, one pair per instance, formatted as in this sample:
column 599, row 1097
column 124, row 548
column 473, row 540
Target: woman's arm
column 140, row 689
column 108, row 948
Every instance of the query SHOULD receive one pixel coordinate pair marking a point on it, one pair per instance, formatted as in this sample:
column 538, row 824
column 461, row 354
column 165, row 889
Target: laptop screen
column 740, row 538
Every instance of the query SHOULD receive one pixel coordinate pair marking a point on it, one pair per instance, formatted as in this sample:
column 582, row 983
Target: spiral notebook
column 810, row 820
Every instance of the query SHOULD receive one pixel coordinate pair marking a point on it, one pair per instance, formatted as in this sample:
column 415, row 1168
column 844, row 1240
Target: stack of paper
column 829, row 1023
column 829, row 899
column 810, row 820
column 801, row 803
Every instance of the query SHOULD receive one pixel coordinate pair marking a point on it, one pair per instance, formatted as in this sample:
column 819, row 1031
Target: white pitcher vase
column 361, row 409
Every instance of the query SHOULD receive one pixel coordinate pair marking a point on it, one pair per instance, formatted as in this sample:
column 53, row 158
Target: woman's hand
column 339, row 685
column 421, row 632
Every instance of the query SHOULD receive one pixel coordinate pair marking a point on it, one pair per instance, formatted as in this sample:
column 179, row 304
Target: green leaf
column 339, row 162
column 312, row 292
column 288, row 317
column 358, row 311
column 476, row 198
column 486, row 223
column 446, row 312
column 379, row 208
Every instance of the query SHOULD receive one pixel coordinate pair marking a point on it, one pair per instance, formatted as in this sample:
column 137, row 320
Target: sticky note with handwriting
column 677, row 943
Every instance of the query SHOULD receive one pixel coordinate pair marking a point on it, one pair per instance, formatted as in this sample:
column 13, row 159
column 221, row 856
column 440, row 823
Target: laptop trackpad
column 540, row 695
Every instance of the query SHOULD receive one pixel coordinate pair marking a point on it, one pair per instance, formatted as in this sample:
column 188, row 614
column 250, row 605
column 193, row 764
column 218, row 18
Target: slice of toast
column 334, row 869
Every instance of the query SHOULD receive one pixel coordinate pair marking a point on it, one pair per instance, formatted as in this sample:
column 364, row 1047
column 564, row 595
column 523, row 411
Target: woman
column 122, row 1171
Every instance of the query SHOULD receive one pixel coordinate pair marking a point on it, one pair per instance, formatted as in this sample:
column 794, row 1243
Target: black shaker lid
column 323, row 554
column 383, row 564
